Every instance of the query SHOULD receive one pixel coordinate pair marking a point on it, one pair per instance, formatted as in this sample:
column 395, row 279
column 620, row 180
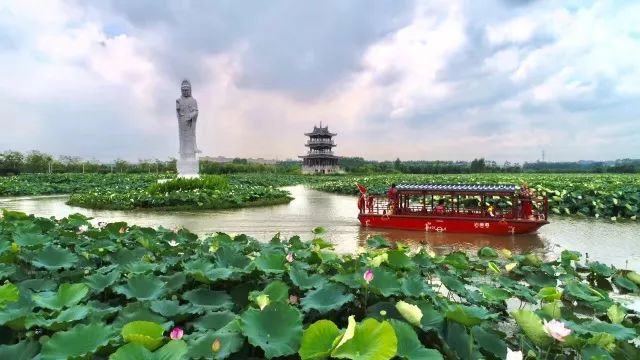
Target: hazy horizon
column 433, row 80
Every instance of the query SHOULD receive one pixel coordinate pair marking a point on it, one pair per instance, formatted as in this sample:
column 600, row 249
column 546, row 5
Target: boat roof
column 459, row 188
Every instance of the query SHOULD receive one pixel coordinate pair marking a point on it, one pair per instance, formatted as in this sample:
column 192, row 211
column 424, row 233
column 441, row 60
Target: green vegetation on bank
column 127, row 292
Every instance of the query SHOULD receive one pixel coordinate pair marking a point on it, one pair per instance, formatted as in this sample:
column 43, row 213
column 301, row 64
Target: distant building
column 222, row 159
column 320, row 159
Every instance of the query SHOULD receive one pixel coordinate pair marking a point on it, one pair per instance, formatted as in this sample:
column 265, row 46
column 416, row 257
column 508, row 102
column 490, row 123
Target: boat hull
column 452, row 224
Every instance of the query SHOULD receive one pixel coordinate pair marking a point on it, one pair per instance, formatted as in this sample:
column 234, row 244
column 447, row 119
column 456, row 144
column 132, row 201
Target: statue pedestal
column 188, row 168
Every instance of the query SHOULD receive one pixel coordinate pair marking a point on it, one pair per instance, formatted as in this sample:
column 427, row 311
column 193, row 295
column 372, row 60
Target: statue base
column 188, row 168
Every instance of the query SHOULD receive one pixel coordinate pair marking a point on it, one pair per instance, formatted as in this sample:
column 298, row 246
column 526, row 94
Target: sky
column 415, row 80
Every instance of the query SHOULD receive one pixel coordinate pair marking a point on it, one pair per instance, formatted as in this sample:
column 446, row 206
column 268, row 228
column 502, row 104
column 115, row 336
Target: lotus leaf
column 140, row 267
column 532, row 326
column 74, row 313
column 318, row 339
column 270, row 262
column 205, row 271
column 67, row 295
column 594, row 352
column 8, row 293
column 28, row 239
column 385, row 281
column 146, row 333
column 98, row 282
column 549, row 294
column 174, row 282
column 490, row 342
column 142, row 287
column 25, row 350
column 620, row 332
column 376, row 242
column 458, row 260
column 303, row 280
column 230, row 258
column 6, row 270
column 277, row 329
column 494, row 294
column 583, row 292
column 173, row 350
column 626, row 284
column 409, row 346
column 616, row 314
column 214, row 321
column 415, row 285
column 76, row 342
column 170, row 308
column 327, row 298
column 553, row 309
column 276, row 291
column 467, row 315
column 601, row 269
column 487, row 253
column 208, row 299
column 230, row 339
column 134, row 312
column 53, row 258
column 634, row 276
column 399, row 260
column 372, row 340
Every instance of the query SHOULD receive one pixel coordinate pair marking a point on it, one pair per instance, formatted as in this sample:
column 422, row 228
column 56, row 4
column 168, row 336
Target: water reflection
column 610, row 243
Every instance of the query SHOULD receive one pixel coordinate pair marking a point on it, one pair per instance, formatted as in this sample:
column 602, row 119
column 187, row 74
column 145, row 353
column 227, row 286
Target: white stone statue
column 187, row 112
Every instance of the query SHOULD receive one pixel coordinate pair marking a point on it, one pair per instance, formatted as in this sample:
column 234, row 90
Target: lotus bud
column 176, row 333
column 173, row 243
column 510, row 266
column 506, row 253
column 290, row 257
column 513, row 355
column 293, row 299
column 215, row 346
column 368, row 276
column 410, row 312
column 383, row 312
column 262, row 301
column 122, row 230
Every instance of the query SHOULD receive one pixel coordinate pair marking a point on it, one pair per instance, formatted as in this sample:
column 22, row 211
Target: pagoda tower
column 320, row 159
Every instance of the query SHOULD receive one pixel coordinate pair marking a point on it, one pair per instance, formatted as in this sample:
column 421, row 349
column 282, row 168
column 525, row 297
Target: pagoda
column 320, row 159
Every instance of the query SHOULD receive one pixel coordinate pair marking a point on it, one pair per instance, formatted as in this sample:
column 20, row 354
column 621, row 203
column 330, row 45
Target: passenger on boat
column 392, row 196
column 361, row 201
column 370, row 204
column 525, row 202
column 440, row 209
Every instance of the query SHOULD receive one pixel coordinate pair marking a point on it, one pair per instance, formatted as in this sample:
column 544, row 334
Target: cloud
column 416, row 80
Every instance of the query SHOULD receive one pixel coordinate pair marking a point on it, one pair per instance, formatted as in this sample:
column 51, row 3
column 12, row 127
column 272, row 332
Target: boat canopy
column 469, row 189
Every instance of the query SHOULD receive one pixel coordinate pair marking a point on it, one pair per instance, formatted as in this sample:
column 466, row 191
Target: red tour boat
column 462, row 208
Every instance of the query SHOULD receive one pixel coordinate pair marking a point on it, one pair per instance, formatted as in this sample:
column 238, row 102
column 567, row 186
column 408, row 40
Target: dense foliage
column 48, row 184
column 609, row 196
column 126, row 292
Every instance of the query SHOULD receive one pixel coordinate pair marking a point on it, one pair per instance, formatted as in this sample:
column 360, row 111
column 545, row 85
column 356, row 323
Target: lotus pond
column 118, row 291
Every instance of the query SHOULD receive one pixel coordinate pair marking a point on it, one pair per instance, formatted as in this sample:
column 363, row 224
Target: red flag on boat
column 361, row 188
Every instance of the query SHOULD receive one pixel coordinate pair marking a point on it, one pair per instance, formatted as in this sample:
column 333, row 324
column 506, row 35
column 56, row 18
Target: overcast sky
column 442, row 79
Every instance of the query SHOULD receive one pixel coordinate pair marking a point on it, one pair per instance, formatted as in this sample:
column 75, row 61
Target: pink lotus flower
column 290, row 257
column 556, row 329
column 176, row 333
column 293, row 299
column 368, row 276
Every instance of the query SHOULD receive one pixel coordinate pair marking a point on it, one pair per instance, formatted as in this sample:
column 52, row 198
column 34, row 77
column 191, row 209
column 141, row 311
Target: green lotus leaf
column 277, row 329
column 228, row 257
column 601, row 269
column 9, row 293
column 431, row 318
column 4, row 246
column 28, row 239
column 67, row 295
column 6, row 270
column 140, row 267
column 214, row 321
column 229, row 337
column 532, row 326
column 415, row 286
column 634, row 276
column 135, row 312
column 568, row 255
column 209, row 299
column 540, row 279
column 317, row 340
column 303, row 280
column 377, row 242
column 351, row 280
column 146, row 333
column 372, row 340
column 458, row 260
column 385, row 282
column 173, row 350
column 25, row 350
column 39, row 285
column 98, row 281
column 553, row 309
column 270, row 262
column 621, row 333
column 453, row 284
column 327, row 298
column 74, row 313
column 468, row 315
column 171, row 308
column 206, row 272
column 626, row 284
column 583, row 292
column 142, row 287
column 487, row 253
column 494, row 294
column 490, row 342
column 53, row 258
column 409, row 346
column 175, row 282
column 616, row 314
column 276, row 290
column 549, row 294
column 397, row 259
column 594, row 352
column 77, row 342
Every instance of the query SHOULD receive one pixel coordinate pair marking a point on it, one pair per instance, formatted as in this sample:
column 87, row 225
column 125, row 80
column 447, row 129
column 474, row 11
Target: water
column 616, row 244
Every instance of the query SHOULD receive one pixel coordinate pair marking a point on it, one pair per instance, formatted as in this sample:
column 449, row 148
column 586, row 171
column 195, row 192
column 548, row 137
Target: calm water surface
column 612, row 243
